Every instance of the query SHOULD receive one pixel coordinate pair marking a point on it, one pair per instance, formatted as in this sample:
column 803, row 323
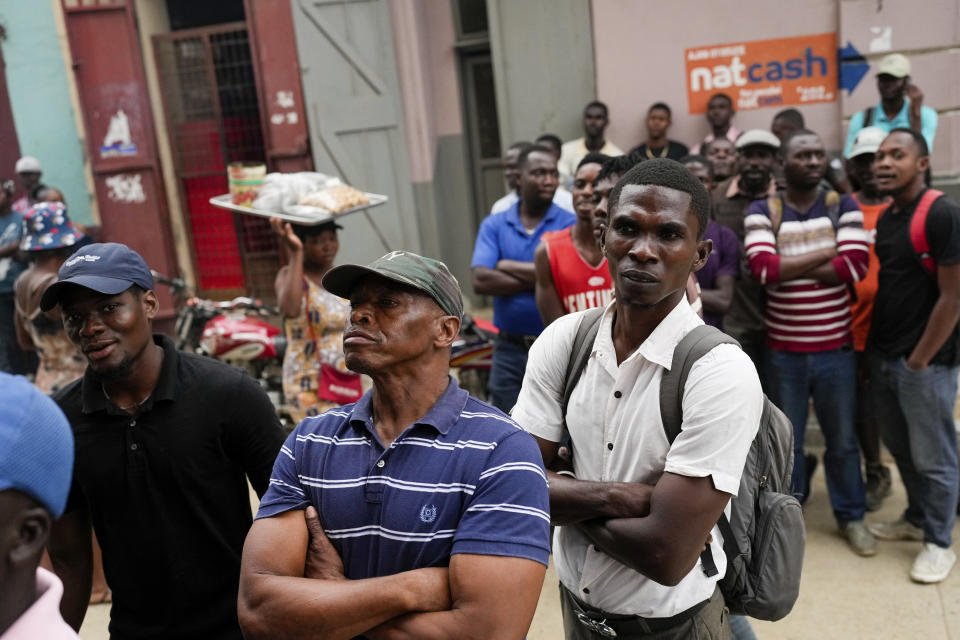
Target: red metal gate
column 211, row 102
column 120, row 134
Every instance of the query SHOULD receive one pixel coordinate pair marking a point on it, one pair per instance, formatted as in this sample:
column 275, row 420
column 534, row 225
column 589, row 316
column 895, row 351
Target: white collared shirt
column 722, row 403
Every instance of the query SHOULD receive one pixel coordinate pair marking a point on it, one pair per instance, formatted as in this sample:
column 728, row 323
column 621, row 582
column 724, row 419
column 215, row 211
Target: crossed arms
column 292, row 585
column 657, row 530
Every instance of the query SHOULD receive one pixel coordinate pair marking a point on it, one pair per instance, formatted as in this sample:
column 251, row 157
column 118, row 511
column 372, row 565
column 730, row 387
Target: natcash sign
column 764, row 73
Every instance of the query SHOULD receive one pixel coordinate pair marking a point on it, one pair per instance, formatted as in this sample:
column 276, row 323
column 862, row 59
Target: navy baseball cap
column 107, row 267
column 36, row 445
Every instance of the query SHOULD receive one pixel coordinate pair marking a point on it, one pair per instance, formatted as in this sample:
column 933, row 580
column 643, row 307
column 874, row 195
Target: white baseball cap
column 867, row 140
column 28, row 164
column 760, row 137
column 895, row 64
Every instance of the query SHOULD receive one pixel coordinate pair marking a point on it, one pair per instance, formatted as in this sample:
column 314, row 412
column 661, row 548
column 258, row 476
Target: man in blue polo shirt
column 434, row 505
column 901, row 104
column 503, row 267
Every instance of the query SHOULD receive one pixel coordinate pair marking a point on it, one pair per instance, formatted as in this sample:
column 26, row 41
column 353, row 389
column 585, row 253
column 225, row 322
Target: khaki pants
column 712, row 622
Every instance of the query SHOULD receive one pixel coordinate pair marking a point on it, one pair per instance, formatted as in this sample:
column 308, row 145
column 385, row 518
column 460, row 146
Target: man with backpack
column 901, row 104
column 639, row 553
column 806, row 246
column 914, row 351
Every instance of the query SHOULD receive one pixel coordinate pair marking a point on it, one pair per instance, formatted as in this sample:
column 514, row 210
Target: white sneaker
column 896, row 530
column 933, row 564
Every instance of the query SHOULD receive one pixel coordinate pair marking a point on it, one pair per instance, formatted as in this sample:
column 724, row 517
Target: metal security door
column 349, row 78
column 105, row 58
column 212, row 109
column 483, row 131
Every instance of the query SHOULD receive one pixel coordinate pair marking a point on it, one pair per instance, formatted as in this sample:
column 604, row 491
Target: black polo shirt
column 907, row 292
column 674, row 150
column 167, row 492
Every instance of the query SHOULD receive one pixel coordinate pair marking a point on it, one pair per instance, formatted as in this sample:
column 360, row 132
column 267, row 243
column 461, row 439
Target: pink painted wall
column 427, row 70
column 640, row 58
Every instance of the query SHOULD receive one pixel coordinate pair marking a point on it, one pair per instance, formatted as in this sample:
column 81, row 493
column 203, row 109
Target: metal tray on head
column 321, row 216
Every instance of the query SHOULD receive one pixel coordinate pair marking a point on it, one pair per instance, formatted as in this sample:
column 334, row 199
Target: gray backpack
column 764, row 538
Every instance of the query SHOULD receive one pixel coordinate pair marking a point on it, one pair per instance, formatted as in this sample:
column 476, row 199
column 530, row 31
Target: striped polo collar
column 442, row 415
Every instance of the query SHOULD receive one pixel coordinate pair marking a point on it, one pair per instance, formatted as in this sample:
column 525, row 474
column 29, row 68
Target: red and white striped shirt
column 805, row 315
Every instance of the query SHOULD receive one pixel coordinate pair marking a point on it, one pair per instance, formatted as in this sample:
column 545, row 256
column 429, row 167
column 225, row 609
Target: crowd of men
column 422, row 512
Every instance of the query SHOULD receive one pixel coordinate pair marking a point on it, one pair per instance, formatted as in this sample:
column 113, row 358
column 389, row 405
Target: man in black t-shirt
column 914, row 352
column 165, row 443
column 657, row 145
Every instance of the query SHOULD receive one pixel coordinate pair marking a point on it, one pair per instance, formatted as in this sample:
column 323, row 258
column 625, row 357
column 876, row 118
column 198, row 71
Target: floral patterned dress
column 315, row 336
column 60, row 362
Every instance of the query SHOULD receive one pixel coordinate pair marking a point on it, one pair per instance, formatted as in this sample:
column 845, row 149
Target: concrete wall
column 427, row 68
column 929, row 34
column 640, row 58
column 543, row 65
column 40, row 99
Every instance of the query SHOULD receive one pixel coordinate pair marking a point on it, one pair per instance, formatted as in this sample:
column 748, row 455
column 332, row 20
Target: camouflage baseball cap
column 426, row 274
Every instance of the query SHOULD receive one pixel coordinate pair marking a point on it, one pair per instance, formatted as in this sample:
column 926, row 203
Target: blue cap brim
column 100, row 284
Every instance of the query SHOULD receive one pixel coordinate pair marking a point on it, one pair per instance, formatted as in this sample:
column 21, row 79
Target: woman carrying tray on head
column 315, row 376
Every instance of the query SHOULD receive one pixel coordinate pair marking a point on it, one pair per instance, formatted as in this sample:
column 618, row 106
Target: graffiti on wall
column 764, row 73
column 126, row 188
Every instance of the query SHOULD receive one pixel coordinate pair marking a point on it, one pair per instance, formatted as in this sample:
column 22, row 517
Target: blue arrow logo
column 853, row 67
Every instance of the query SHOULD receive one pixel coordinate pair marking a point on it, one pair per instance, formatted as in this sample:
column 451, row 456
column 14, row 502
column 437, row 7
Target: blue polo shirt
column 928, row 123
column 463, row 479
column 502, row 237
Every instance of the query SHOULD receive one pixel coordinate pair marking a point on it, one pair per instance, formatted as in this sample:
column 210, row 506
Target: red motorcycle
column 235, row 332
column 472, row 355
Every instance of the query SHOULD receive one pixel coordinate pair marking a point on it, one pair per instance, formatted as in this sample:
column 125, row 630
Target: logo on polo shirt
column 83, row 258
column 428, row 513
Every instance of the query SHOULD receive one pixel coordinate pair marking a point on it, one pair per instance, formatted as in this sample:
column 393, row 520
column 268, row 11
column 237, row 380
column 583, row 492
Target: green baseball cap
column 425, row 274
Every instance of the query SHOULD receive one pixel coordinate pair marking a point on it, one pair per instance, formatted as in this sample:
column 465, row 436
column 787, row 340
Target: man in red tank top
column 571, row 272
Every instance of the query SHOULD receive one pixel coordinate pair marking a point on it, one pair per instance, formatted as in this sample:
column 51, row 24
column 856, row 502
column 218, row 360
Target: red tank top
column 579, row 285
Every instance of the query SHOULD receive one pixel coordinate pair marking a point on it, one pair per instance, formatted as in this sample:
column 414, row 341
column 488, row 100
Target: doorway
column 211, row 105
column 479, row 105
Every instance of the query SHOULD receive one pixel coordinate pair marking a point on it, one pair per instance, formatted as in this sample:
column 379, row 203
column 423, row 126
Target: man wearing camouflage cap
column 418, row 511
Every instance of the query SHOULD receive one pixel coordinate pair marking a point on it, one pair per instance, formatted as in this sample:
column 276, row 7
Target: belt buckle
column 597, row 626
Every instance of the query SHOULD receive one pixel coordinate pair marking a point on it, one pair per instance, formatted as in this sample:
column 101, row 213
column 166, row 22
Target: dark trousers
column 915, row 412
column 506, row 373
column 712, row 622
column 830, row 378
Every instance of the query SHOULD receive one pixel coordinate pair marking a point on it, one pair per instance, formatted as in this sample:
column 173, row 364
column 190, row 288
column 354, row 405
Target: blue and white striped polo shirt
column 463, row 479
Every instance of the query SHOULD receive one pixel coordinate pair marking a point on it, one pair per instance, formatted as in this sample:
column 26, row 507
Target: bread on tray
column 336, row 199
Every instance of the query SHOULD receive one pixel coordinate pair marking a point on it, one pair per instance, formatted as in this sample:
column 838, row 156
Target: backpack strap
column 918, row 230
column 580, row 353
column 868, row 116
column 831, row 199
column 691, row 348
column 775, row 207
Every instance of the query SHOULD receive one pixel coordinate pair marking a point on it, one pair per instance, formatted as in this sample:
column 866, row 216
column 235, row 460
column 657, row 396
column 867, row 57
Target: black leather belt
column 612, row 625
column 519, row 339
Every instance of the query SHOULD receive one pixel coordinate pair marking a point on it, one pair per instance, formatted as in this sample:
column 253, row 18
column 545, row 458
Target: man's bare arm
column 277, row 601
column 664, row 545
column 9, row 249
column 943, row 318
column 719, row 299
column 518, row 269
column 793, row 267
column 493, row 282
column 71, row 552
column 573, row 500
column 545, row 289
column 493, row 597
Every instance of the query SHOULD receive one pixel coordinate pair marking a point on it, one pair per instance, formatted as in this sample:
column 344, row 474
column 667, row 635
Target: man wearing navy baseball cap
column 36, row 458
column 165, row 443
